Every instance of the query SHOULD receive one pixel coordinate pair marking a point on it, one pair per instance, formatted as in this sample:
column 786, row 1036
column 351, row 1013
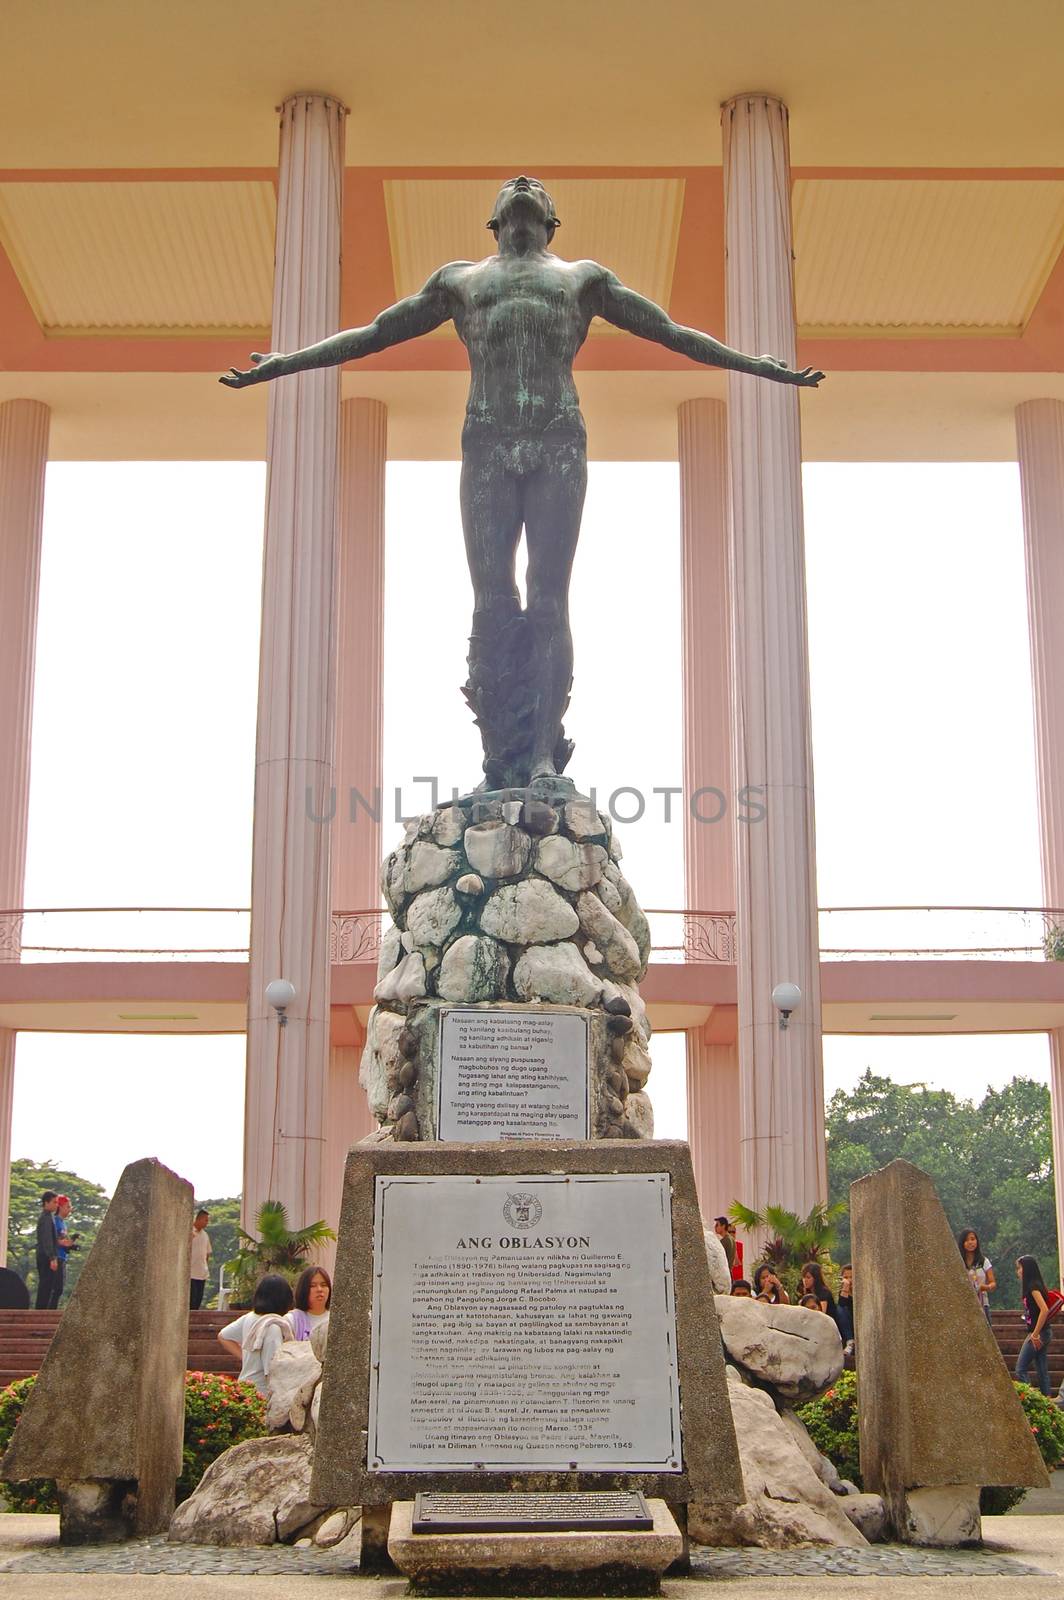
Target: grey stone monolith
column 938, row 1410
column 105, row 1418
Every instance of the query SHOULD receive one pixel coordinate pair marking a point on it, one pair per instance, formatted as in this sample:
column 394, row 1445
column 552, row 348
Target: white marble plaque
column 519, row 1074
column 524, row 1323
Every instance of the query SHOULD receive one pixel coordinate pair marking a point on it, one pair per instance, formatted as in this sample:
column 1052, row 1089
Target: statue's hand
column 266, row 367
column 773, row 367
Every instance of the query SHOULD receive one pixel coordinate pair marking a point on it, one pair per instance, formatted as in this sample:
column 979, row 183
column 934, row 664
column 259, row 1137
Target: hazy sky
column 144, row 733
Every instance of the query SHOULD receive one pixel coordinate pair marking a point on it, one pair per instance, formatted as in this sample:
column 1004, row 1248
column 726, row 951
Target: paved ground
column 1022, row 1555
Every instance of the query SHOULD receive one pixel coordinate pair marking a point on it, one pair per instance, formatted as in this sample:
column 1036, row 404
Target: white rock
column 796, row 1351
column 392, row 874
column 719, row 1271
column 640, row 1113
column 611, row 937
column 867, row 1513
column 255, row 1493
column 433, row 916
column 607, row 893
column 378, row 1072
column 406, row 940
column 427, row 866
column 592, row 954
column 582, row 821
column 557, row 973
column 945, row 1517
column 528, row 913
column 635, row 1062
column 405, row 982
column 511, row 811
column 473, row 968
column 294, row 1371
column 497, row 850
column 334, row 1528
column 573, row 866
column 786, row 1504
column 448, row 825
column 632, row 916
column 469, row 883
column 388, row 955
column 824, row 1468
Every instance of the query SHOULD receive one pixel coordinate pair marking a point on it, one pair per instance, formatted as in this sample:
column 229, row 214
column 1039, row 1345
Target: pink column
column 709, row 846
column 781, row 1072
column 1040, row 447
column 287, row 1067
column 23, row 457
column 356, row 852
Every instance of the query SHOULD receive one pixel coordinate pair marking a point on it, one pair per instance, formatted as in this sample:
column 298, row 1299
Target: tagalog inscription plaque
column 524, row 1324
column 513, row 1074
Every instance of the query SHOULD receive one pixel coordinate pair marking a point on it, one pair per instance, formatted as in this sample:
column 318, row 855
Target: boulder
column 378, row 1072
column 256, row 1493
column 528, row 913
column 556, row 973
column 795, row 1351
column 639, row 1112
column 582, row 821
column 448, row 825
column 572, row 866
column 497, row 850
column 786, row 1504
column 719, row 1270
column 432, row 916
column 405, row 982
column 294, row 1371
column 610, row 936
column 868, row 1514
column 473, row 969
column 471, row 884
column 427, row 866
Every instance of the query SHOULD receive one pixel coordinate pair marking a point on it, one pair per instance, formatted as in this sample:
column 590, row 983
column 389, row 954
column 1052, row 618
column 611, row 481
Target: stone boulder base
column 106, row 1415
column 256, row 1493
column 797, row 1352
column 915, row 1313
column 786, row 1504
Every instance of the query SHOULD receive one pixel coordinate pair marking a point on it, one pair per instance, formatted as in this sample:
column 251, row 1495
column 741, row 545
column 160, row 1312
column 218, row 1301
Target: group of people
column 278, row 1313
column 55, row 1242
column 814, row 1294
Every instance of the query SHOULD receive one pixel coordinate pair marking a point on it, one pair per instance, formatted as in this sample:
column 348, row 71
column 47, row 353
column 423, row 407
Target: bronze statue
column 522, row 314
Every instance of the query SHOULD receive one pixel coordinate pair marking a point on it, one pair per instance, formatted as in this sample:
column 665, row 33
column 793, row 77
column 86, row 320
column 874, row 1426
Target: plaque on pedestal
column 513, row 1073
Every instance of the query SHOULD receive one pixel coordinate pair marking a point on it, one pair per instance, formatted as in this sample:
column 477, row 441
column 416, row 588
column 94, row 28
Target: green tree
column 278, row 1248
column 224, row 1229
column 992, row 1163
column 88, row 1202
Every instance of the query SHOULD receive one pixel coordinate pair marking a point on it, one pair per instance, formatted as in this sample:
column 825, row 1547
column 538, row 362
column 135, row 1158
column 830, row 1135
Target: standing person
column 47, row 1252
column 812, row 1283
column 767, row 1283
column 313, row 1294
column 1035, row 1312
column 722, row 1229
column 844, row 1313
column 979, row 1268
column 737, row 1246
column 257, row 1336
column 63, row 1246
column 199, row 1259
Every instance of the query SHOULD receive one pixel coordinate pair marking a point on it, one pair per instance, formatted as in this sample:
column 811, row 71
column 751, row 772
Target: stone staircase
column 26, row 1335
column 1010, row 1332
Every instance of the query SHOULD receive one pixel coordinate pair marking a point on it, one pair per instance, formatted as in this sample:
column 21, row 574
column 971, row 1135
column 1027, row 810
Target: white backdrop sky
column 144, row 729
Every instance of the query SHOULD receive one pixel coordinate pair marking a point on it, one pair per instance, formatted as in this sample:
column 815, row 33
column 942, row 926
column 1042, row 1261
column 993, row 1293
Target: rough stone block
column 108, row 1406
column 915, row 1312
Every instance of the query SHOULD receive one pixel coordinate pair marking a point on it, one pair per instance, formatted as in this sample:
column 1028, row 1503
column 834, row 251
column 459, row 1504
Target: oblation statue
column 522, row 314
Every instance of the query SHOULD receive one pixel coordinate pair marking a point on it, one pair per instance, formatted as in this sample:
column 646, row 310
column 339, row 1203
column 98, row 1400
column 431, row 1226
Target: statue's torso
column 522, row 319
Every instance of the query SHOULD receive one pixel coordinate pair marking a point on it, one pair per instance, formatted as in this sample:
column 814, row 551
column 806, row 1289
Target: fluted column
column 23, row 458
column 709, row 845
column 1040, row 448
column 781, row 1072
column 287, row 1069
column 356, row 854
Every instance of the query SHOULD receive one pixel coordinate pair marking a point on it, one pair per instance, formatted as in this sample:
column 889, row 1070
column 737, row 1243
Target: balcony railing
column 847, row 933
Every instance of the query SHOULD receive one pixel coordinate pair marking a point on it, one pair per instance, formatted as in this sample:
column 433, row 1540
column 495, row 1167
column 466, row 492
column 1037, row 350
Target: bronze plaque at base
column 605, row 1511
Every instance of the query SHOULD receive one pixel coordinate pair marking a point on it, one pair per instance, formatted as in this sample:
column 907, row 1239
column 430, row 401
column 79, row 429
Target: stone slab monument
column 106, row 1416
column 525, row 1318
column 921, row 1332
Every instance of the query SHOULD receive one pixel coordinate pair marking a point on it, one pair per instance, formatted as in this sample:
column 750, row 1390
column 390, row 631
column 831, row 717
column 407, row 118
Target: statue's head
column 524, row 195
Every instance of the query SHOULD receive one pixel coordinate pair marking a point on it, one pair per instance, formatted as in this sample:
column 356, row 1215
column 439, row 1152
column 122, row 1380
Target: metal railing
column 847, row 933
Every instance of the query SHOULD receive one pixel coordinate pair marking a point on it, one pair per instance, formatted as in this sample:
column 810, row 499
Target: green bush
column 832, row 1425
column 219, row 1411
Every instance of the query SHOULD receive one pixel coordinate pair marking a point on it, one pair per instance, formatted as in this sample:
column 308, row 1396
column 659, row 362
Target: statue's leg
column 491, row 522
column 554, row 503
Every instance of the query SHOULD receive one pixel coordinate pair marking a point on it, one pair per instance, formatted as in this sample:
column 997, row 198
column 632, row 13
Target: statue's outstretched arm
column 407, row 319
column 633, row 312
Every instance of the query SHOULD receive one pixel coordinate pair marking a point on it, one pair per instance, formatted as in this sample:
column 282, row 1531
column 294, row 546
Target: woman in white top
column 313, row 1294
column 980, row 1271
column 257, row 1336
